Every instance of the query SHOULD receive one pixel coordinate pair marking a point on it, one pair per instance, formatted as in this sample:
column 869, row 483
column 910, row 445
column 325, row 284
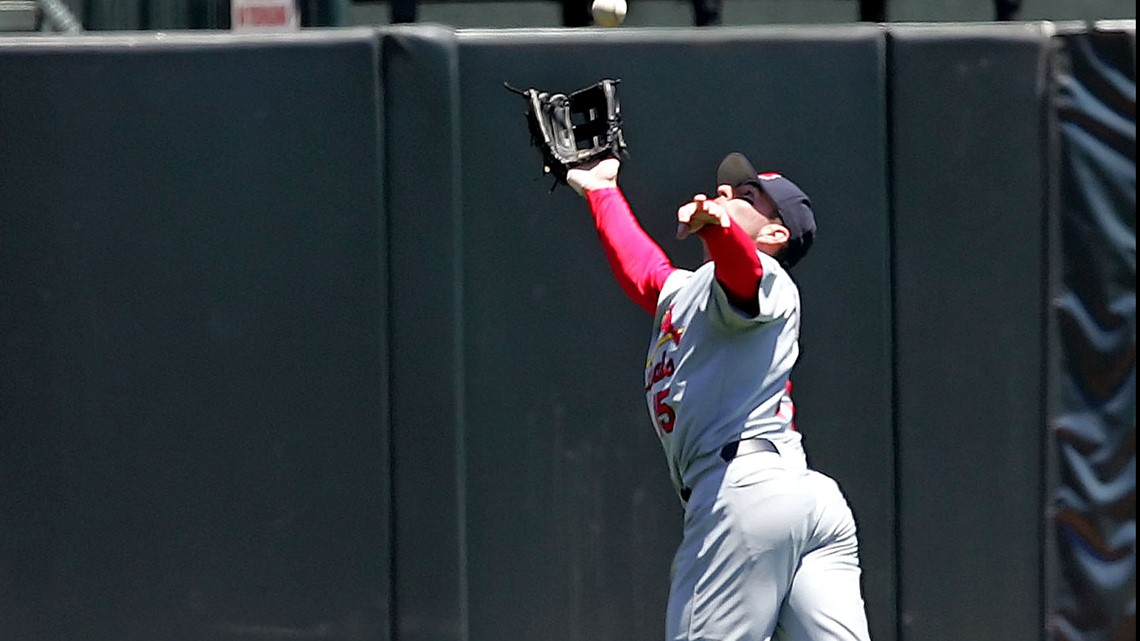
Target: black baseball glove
column 573, row 130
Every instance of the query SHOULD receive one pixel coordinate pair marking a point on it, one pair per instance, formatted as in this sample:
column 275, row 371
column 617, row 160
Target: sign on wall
column 264, row 15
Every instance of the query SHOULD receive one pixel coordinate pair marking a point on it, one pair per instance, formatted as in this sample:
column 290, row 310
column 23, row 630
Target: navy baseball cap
column 792, row 203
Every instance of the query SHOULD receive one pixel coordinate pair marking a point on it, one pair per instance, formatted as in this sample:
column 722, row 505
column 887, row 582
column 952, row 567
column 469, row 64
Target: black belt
column 738, row 448
column 747, row 446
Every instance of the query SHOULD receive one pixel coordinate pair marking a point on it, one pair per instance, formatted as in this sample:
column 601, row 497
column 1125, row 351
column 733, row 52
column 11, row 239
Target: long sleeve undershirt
column 637, row 262
column 738, row 266
column 641, row 267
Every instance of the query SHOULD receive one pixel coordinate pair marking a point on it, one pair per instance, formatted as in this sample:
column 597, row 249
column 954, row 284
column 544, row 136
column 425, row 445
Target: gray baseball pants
column 769, row 553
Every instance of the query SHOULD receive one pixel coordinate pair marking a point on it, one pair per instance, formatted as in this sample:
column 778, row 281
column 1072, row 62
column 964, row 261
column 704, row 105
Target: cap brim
column 735, row 170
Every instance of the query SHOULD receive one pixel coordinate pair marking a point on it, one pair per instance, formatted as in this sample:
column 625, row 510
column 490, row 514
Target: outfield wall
column 297, row 342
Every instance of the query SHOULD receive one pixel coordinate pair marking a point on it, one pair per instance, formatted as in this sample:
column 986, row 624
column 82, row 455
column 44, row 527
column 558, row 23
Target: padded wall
column 572, row 520
column 427, row 363
column 294, row 339
column 970, row 214
column 192, row 381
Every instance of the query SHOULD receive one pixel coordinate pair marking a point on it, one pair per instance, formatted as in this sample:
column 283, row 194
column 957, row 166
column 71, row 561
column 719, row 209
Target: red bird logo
column 668, row 330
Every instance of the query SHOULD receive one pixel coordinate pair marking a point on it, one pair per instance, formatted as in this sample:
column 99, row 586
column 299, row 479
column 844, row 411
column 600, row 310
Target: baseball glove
column 575, row 129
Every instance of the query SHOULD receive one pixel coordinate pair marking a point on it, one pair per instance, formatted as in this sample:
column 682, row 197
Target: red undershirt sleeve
column 738, row 267
column 637, row 262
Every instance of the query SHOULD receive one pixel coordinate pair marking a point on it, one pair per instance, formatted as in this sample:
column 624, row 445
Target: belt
column 747, row 446
column 735, row 449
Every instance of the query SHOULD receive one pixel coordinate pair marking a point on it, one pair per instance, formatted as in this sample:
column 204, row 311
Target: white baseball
column 608, row 13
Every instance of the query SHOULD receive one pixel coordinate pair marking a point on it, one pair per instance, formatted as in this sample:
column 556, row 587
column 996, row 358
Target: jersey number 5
column 663, row 413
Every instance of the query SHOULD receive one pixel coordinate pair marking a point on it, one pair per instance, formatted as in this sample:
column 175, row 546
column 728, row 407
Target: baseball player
column 769, row 548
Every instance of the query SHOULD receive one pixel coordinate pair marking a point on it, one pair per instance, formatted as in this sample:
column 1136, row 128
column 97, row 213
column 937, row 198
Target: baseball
column 608, row 13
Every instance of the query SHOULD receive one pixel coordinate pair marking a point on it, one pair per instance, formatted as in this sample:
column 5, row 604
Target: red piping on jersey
column 637, row 262
column 791, row 405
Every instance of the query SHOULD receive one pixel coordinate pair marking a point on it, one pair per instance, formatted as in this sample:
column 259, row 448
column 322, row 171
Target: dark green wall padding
column 194, row 317
column 970, row 177
column 295, row 339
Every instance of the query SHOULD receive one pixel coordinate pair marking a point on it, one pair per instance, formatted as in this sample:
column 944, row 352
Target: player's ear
column 773, row 234
column 726, row 191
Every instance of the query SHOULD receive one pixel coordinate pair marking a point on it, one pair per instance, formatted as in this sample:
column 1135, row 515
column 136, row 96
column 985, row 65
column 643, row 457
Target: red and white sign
column 264, row 15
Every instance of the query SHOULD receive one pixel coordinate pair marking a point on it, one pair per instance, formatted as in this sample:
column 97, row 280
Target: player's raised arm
column 637, row 262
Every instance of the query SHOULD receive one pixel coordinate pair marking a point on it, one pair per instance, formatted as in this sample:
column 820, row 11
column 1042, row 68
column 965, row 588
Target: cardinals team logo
column 669, row 331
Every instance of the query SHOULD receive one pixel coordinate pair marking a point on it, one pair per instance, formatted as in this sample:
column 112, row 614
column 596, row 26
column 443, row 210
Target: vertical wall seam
column 1050, row 348
column 893, row 320
column 458, row 340
column 387, row 247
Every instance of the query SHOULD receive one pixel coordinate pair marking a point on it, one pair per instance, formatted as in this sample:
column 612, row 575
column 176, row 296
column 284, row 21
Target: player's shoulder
column 676, row 281
column 772, row 266
column 777, row 275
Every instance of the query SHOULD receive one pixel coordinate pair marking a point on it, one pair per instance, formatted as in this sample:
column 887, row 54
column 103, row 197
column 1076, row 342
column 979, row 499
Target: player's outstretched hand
column 599, row 175
column 698, row 213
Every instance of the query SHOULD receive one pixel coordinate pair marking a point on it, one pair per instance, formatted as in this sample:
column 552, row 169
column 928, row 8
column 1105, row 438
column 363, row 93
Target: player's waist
column 728, row 453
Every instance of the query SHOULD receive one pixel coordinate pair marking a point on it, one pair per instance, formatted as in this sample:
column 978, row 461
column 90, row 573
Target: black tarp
column 1093, row 492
